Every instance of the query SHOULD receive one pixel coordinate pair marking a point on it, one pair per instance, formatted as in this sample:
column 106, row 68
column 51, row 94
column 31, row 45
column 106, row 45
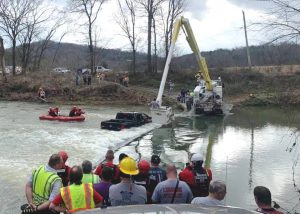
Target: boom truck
column 208, row 94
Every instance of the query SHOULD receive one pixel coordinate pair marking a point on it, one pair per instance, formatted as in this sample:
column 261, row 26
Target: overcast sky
column 216, row 24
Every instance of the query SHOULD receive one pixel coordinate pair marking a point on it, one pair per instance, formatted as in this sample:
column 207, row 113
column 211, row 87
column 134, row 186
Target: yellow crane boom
column 185, row 24
column 207, row 99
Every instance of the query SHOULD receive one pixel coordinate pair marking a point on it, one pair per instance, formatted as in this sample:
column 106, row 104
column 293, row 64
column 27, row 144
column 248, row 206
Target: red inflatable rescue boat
column 63, row 118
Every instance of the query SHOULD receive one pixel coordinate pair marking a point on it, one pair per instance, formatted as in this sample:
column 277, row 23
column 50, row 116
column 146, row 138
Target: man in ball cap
column 196, row 176
column 155, row 175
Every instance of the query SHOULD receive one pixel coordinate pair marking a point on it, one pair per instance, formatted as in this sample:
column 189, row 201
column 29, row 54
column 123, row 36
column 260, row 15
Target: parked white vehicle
column 86, row 71
column 102, row 69
column 8, row 69
column 60, row 70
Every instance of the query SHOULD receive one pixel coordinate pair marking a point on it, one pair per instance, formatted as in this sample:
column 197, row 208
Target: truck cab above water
column 126, row 120
column 208, row 102
column 208, row 96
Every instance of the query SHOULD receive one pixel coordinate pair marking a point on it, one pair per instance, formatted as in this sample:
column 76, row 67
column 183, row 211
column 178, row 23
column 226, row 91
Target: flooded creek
column 248, row 148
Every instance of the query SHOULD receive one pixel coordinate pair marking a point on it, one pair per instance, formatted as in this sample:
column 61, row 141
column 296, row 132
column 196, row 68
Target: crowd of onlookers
column 56, row 187
column 85, row 75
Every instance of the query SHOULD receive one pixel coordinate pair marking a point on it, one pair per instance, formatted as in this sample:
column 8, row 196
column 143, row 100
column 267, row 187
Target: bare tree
column 44, row 43
column 175, row 9
column 91, row 9
column 2, row 60
column 155, row 61
column 37, row 17
column 150, row 6
column 281, row 22
column 12, row 15
column 57, row 48
column 127, row 22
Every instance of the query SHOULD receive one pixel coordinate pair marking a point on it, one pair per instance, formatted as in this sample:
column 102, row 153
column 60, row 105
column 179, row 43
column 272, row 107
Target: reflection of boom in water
column 209, row 151
column 212, row 127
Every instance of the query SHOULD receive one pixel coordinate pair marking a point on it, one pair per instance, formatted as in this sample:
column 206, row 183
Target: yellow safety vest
column 78, row 197
column 42, row 183
column 90, row 178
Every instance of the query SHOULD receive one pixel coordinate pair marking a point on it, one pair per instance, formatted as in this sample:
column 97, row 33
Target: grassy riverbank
column 61, row 89
column 242, row 87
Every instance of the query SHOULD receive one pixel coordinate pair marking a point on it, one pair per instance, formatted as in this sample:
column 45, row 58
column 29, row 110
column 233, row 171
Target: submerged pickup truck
column 126, row 120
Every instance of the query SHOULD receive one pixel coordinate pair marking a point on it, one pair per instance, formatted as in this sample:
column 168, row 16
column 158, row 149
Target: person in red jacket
column 54, row 112
column 65, row 174
column 197, row 177
column 73, row 111
column 79, row 112
column 142, row 177
column 263, row 199
column 109, row 158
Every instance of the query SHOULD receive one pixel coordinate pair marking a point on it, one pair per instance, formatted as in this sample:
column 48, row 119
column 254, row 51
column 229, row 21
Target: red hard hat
column 144, row 166
column 63, row 155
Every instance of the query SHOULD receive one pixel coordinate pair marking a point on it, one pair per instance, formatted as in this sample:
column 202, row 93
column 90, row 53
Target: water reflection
column 213, row 127
column 245, row 149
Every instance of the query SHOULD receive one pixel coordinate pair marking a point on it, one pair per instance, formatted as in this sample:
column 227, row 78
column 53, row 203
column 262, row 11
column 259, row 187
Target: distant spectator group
column 123, row 79
column 85, row 74
column 57, row 187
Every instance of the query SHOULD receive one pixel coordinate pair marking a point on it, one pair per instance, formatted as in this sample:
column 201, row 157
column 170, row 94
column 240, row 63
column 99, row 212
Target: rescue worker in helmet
column 54, row 112
column 79, row 112
column 77, row 196
column 196, row 176
column 127, row 192
column 75, row 111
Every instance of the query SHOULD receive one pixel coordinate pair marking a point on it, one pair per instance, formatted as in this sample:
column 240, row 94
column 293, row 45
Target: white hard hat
column 197, row 157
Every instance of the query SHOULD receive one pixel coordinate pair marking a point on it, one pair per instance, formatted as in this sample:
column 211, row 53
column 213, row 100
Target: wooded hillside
column 73, row 56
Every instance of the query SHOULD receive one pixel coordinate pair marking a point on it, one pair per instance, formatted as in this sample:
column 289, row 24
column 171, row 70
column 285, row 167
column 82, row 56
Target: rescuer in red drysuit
column 196, row 176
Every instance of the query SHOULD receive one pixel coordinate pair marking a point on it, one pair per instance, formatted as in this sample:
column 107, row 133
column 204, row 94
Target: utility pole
column 2, row 60
column 246, row 37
